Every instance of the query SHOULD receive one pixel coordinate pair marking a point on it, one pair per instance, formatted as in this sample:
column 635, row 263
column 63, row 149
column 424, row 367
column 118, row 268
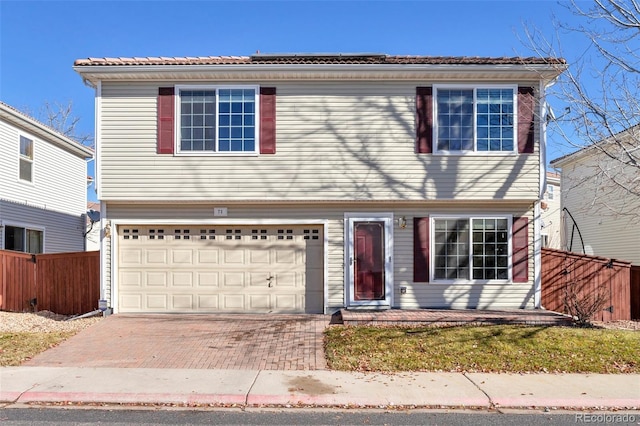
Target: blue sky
column 39, row 40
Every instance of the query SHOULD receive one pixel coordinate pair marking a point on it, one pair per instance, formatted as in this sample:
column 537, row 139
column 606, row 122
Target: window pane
column 14, row 238
column 34, row 241
column 451, row 249
column 455, row 119
column 495, row 108
column 26, row 168
column 26, row 147
column 197, row 120
column 490, row 249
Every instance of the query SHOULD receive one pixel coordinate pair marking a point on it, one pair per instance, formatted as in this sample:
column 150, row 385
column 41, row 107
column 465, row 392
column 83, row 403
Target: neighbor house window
column 26, row 159
column 23, row 239
column 475, row 248
column 475, row 119
column 550, row 192
column 217, row 120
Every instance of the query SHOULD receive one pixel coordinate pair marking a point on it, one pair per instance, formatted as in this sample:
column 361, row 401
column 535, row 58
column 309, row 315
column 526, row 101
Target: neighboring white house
column 93, row 226
column 551, row 213
column 313, row 182
column 43, row 177
column 606, row 214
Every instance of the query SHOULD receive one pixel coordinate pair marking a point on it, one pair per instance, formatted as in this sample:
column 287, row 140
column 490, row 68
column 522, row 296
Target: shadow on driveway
column 220, row 341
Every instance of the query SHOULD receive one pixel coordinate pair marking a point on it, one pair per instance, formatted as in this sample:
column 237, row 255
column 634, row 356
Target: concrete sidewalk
column 192, row 387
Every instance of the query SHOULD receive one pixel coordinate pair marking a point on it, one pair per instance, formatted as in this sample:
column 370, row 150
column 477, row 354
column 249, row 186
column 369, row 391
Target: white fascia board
column 94, row 73
column 44, row 132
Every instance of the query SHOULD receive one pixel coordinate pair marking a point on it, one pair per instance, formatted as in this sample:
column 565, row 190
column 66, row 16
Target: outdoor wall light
column 107, row 231
column 402, row 222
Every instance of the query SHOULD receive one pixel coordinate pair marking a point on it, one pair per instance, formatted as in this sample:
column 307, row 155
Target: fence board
column 589, row 275
column 64, row 283
column 634, row 289
column 18, row 281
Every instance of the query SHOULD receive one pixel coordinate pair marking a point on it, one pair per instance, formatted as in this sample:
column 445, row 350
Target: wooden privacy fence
column 586, row 276
column 64, row 283
column 635, row 292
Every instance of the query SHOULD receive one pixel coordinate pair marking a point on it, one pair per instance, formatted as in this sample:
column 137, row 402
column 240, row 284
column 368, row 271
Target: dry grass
column 16, row 348
column 500, row 348
column 24, row 335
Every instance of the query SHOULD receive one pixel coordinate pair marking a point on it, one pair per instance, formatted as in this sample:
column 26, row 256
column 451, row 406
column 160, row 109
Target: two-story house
column 600, row 186
column 309, row 183
column 43, row 178
column 551, row 213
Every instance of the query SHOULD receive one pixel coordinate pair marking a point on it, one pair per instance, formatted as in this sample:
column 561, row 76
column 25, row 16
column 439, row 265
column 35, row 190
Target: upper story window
column 475, row 119
column 217, row 119
column 26, row 159
column 550, row 192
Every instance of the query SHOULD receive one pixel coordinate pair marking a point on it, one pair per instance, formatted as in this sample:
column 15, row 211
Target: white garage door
column 220, row 269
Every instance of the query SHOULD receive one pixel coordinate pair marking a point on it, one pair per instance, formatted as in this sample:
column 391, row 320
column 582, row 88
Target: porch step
column 449, row 317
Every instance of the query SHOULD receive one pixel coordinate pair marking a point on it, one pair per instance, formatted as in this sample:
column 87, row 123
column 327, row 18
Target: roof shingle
column 319, row 59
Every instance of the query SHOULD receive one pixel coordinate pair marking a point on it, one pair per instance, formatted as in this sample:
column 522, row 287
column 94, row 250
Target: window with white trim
column 475, row 119
column 550, row 192
column 26, row 159
column 471, row 249
column 23, row 239
column 217, row 119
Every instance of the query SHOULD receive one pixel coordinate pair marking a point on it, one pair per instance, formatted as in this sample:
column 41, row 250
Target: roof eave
column 34, row 127
column 94, row 73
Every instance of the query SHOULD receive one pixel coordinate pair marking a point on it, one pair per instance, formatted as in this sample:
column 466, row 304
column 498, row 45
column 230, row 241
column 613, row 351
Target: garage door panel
column 156, row 256
column 233, row 279
column 132, row 257
column 156, row 302
column 181, row 302
column 207, row 302
column 182, row 257
column 157, row 279
column 131, row 279
column 207, row 279
column 182, row 279
column 208, row 256
column 220, row 269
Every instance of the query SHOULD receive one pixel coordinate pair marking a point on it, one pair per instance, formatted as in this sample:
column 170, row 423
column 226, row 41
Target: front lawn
column 498, row 348
column 16, row 348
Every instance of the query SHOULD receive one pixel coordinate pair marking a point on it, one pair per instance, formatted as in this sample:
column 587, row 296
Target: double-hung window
column 475, row 119
column 26, row 159
column 471, row 249
column 217, row 119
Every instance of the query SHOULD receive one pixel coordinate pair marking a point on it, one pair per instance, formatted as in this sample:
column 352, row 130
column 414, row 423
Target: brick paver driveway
column 247, row 342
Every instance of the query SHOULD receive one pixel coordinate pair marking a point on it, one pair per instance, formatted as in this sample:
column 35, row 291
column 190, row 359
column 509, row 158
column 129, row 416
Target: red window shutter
column 424, row 120
column 267, row 120
column 166, row 120
column 520, row 245
column 421, row 249
column 526, row 104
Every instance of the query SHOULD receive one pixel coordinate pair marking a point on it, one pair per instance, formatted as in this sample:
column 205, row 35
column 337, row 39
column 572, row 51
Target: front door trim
column 349, row 279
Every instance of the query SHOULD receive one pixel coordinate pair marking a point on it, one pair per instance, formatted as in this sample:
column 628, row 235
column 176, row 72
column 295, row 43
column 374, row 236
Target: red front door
column 369, row 260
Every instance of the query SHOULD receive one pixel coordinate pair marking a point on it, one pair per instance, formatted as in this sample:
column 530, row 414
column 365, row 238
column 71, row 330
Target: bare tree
column 60, row 117
column 601, row 92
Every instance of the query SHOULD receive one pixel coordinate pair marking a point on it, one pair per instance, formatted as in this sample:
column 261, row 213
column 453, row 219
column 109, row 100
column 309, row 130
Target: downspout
column 537, row 221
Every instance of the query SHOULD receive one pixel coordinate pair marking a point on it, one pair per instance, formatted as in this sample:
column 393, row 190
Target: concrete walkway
column 190, row 387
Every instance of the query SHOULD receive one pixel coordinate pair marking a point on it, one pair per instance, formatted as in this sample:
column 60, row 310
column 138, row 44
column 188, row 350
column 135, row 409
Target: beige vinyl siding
column 493, row 296
column 336, row 141
column 596, row 205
